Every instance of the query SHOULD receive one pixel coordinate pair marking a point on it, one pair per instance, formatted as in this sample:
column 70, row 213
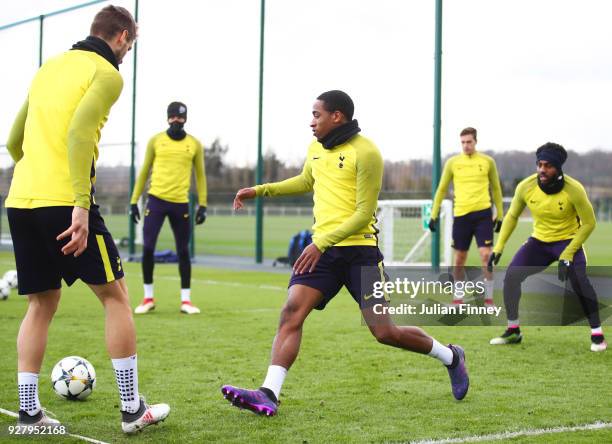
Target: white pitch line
column 83, row 438
column 508, row 435
column 228, row 284
column 9, row 413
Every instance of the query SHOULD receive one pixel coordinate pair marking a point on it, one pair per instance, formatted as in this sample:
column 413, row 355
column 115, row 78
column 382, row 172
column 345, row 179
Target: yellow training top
column 172, row 162
column 54, row 140
column 567, row 214
column 346, row 181
column 471, row 175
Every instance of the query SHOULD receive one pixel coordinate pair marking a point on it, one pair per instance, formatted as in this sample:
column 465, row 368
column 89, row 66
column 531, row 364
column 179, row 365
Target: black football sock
column 148, row 263
column 597, row 339
column 269, row 393
column 185, row 268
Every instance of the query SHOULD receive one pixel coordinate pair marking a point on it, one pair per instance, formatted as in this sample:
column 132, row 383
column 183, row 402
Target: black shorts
column 41, row 265
column 478, row 224
column 356, row 267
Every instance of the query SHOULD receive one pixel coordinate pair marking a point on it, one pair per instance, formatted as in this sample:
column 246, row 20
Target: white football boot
column 145, row 416
column 189, row 308
column 598, row 344
column 40, row 419
column 146, row 306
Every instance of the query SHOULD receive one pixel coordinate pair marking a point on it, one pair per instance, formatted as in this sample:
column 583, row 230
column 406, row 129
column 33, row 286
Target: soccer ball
column 73, row 378
column 5, row 290
column 11, row 277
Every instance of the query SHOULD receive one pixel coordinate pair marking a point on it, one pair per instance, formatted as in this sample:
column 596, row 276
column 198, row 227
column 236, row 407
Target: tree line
column 402, row 179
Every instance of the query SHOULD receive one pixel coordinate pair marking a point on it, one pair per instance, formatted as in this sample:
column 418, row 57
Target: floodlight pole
column 41, row 28
column 435, row 172
column 132, row 227
column 259, row 170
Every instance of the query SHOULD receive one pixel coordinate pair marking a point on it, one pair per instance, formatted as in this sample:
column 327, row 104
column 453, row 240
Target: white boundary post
column 387, row 229
column 387, row 209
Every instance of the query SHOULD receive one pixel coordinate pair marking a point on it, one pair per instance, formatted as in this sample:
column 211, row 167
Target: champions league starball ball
column 73, row 378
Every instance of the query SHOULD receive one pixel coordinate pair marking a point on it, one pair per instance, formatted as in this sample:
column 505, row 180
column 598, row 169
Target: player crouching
column 563, row 219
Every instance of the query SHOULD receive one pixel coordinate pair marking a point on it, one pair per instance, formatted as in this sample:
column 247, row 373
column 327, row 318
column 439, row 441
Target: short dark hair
column 112, row 20
column 336, row 100
column 469, row 131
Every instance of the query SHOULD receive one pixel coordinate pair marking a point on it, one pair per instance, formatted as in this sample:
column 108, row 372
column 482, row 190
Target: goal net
column 404, row 236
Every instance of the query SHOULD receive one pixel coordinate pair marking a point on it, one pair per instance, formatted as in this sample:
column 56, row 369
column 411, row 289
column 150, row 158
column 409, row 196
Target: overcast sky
column 523, row 72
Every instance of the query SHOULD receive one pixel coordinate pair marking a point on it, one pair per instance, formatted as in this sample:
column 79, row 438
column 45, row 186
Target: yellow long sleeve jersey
column 172, row 162
column 346, row 181
column 567, row 214
column 471, row 175
column 54, row 139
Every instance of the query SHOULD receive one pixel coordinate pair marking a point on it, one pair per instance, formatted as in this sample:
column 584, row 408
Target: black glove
column 433, row 225
column 200, row 215
column 135, row 213
column 498, row 224
column 493, row 260
column 564, row 268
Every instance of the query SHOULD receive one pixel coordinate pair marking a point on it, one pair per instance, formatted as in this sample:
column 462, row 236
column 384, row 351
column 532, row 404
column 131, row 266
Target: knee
column 291, row 317
column 115, row 295
column 513, row 276
column 484, row 256
column 385, row 335
column 147, row 252
column 183, row 253
column 460, row 258
column 44, row 306
column 118, row 305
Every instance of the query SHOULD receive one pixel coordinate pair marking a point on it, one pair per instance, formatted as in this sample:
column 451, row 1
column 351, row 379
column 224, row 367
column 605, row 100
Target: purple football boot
column 257, row 401
column 460, row 381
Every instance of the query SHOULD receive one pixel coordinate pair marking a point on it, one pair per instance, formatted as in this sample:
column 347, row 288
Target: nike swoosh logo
column 367, row 296
column 315, row 158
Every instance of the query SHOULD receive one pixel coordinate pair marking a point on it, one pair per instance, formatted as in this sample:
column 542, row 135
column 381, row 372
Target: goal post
column 404, row 236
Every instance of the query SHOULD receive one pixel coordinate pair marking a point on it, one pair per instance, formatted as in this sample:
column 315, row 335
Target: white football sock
column 513, row 323
column 597, row 331
column 457, row 294
column 28, row 392
column 489, row 288
column 441, row 352
column 275, row 378
column 148, row 291
column 126, row 373
column 185, row 295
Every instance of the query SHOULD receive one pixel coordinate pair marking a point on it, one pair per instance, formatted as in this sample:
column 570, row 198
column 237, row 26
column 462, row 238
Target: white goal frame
column 387, row 222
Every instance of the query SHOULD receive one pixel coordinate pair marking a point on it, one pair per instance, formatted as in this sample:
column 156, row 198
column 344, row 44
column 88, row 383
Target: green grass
column 228, row 235
column 221, row 235
column 235, row 236
column 597, row 246
column 344, row 387
column 407, row 232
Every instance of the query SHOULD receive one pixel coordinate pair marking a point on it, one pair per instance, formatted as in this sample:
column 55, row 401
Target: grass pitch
column 344, row 387
column 235, row 236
